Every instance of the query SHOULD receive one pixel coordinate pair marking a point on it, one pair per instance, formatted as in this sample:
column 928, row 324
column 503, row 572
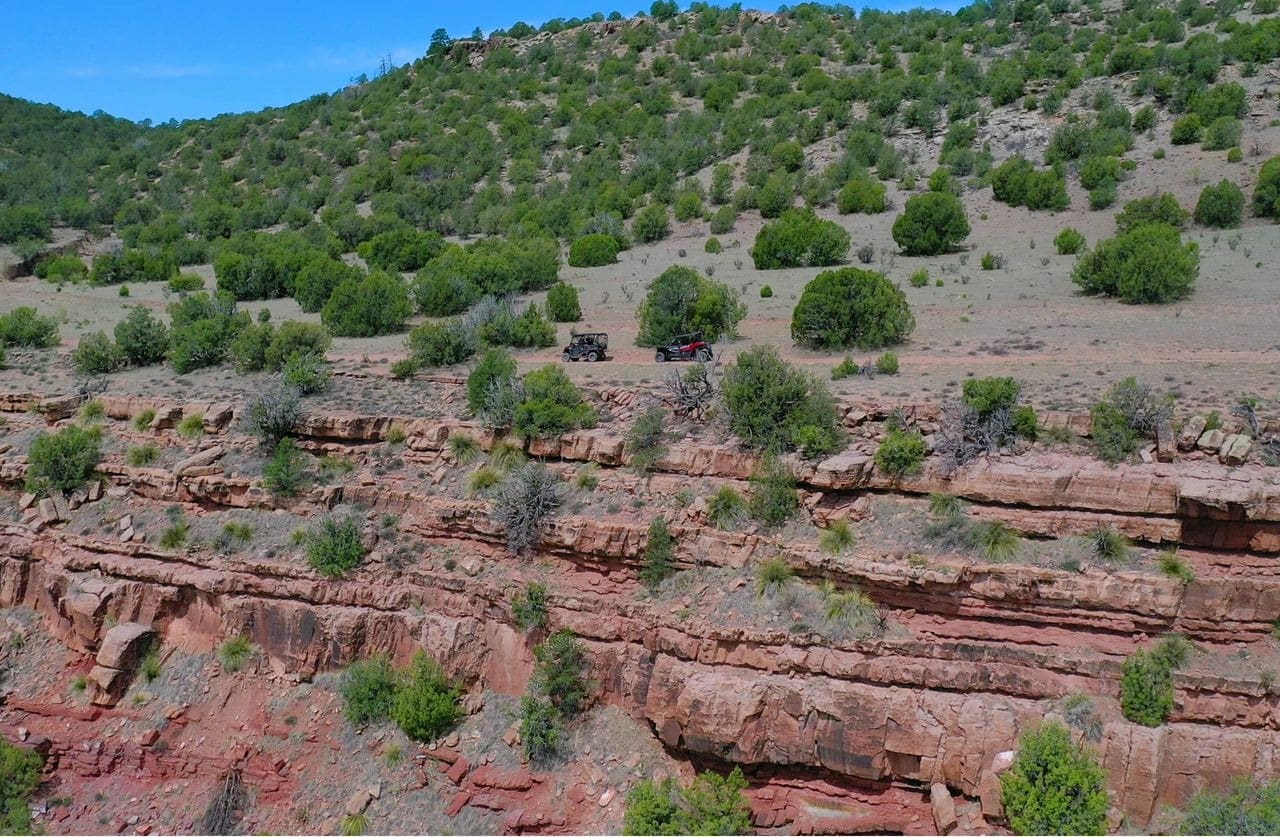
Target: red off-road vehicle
column 685, row 347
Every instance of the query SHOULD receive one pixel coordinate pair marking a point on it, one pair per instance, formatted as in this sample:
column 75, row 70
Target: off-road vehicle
column 589, row 347
column 685, row 347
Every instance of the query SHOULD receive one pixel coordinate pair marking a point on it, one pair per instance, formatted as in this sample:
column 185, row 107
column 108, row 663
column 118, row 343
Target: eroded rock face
column 917, row 724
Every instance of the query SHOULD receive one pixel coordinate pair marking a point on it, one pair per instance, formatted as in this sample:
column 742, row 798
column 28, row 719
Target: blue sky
column 184, row 59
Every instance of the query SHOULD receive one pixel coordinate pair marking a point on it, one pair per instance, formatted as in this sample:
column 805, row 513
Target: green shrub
column 191, row 426
column 539, row 729
column 1222, row 133
column 646, row 440
column 1147, row 264
column 498, row 324
column 766, row 292
column 1054, row 786
column 66, row 268
column 63, row 460
column 1103, row 196
column 496, row 366
column 593, row 250
column 659, row 558
column 1220, row 205
column 377, row 304
column 186, row 283
column 19, row 223
column 799, row 238
column 1249, row 806
column 401, row 249
column 97, row 355
column 315, row 282
column 846, row 368
column 425, row 705
column 1146, row 689
column 1017, row 183
column 650, row 224
column 294, row 338
column 1096, row 171
column 25, row 328
column 862, row 194
column 142, row 455
column 133, row 266
column 560, row 665
column 713, row 804
column 307, row 373
column 1069, row 241
column 681, row 301
column 920, row 278
column 368, row 690
column 529, row 607
column 901, row 453
column 1186, row 130
column 19, row 777
column 441, row 344
column 334, row 546
column 775, row 407
column 930, row 224
column 1162, row 208
column 552, row 405
column 772, row 500
column 851, row 307
column 273, row 411
column 887, row 364
column 713, row 246
column 285, row 473
column 562, row 304
column 405, row 368
column 1129, row 412
column 141, row 337
column 723, row 220
column 1235, row 155
column 201, row 330
column 1266, row 194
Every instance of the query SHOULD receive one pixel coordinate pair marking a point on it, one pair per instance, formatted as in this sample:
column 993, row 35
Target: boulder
column 944, row 808
column 1165, row 446
column 1191, row 433
column 123, row 645
column 1211, row 440
column 1235, row 449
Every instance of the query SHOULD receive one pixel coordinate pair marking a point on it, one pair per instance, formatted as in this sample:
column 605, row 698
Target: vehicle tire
column 704, row 355
column 565, row 357
column 592, row 357
column 660, row 357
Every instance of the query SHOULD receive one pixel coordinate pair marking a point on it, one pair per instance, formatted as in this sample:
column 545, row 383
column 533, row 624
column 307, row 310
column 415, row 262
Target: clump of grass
column 772, row 576
column 726, row 508
column 1174, row 651
column 353, row 825
column 587, row 477
column 143, row 420
column 191, row 427
column 1175, row 566
column 238, row 530
column 945, row 506
column 506, row 455
column 93, row 410
column 330, row 466
column 235, row 652
column 463, row 448
column 396, row 434
column 995, row 540
column 482, row 480
column 151, row 665
column 176, row 535
column 79, row 683
column 836, row 539
column 393, row 755
column 141, row 456
column 1106, row 544
column 852, row 610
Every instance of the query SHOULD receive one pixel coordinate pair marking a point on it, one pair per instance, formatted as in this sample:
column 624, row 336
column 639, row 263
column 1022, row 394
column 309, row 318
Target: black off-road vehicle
column 685, row 347
column 588, row 347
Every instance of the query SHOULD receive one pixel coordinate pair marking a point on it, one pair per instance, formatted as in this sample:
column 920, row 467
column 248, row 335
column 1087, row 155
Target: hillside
column 967, row 523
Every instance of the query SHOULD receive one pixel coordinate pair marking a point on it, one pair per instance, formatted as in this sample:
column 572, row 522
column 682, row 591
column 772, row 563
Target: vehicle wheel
column 660, row 357
column 592, row 357
column 704, row 355
column 565, row 357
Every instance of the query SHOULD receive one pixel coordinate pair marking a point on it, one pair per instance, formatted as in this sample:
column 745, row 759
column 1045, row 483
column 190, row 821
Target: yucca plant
column 996, row 541
column 772, row 575
column 1174, row 565
column 726, row 508
column 463, row 448
column 837, row 538
column 1109, row 545
column 506, row 455
column 482, row 480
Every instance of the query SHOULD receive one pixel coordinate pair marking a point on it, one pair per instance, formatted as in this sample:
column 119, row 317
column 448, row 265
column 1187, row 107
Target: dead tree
column 223, row 813
column 694, row 393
